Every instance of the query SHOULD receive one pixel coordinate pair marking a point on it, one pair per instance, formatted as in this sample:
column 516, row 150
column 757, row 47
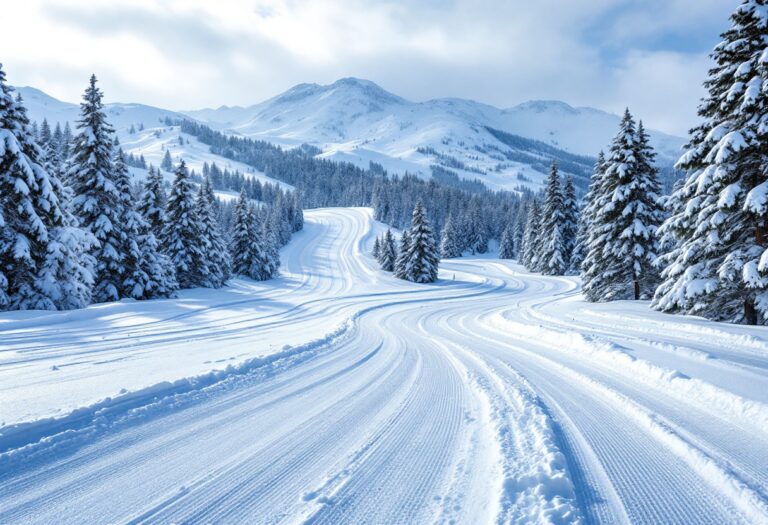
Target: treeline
column 416, row 257
column 701, row 250
column 72, row 232
column 478, row 213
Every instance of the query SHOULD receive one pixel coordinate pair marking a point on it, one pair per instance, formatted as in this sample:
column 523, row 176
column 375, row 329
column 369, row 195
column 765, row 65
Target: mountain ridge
column 355, row 120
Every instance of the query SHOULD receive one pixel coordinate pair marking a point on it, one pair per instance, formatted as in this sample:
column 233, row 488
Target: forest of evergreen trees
column 74, row 231
column 702, row 249
column 478, row 213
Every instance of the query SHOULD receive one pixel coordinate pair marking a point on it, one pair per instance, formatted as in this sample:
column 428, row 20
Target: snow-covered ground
column 151, row 137
column 340, row 394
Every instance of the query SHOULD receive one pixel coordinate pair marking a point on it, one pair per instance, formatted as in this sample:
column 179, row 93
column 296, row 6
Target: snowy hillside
column 141, row 129
column 340, row 394
column 358, row 121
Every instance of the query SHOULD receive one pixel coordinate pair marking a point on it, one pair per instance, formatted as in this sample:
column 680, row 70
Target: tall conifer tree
column 422, row 259
column 96, row 201
column 181, row 240
column 719, row 267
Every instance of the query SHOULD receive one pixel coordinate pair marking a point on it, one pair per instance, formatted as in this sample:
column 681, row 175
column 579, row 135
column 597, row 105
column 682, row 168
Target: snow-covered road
column 344, row 395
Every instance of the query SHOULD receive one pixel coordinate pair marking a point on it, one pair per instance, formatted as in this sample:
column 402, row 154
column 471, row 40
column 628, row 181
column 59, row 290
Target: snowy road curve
column 493, row 395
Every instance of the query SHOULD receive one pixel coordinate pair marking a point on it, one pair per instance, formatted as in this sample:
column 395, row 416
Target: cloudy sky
column 650, row 55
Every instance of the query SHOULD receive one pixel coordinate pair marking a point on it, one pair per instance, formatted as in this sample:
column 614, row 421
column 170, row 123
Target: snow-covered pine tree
column 376, row 248
column 401, row 263
column 298, row 212
column 241, row 238
column 96, row 202
column 67, row 141
column 153, row 201
column 148, row 274
column 477, row 231
column 181, row 240
column 45, row 135
column 529, row 255
column 215, row 264
column 450, row 242
column 571, row 223
column 57, row 137
column 719, row 268
column 52, row 161
column 388, row 254
column 552, row 257
column 252, row 256
column 507, row 243
column 622, row 242
column 167, row 163
column 422, row 259
column 43, row 255
column 585, row 217
column 271, row 251
column 261, row 267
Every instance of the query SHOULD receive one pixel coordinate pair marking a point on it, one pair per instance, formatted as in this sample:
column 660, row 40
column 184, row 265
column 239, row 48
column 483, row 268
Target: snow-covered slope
column 151, row 136
column 121, row 116
column 339, row 394
column 358, row 121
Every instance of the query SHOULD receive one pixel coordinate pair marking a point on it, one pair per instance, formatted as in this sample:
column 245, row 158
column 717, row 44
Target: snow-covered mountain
column 358, row 121
column 141, row 129
column 121, row 116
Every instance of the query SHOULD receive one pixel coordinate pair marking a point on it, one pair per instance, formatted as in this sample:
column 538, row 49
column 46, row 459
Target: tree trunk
column 637, row 289
column 750, row 313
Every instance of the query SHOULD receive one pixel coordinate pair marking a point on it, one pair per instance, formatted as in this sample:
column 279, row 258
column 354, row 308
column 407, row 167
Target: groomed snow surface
column 338, row 394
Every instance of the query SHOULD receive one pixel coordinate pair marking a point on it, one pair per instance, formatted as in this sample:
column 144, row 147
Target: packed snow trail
column 493, row 395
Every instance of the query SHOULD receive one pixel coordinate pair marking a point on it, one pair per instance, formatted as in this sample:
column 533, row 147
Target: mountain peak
column 543, row 106
column 363, row 87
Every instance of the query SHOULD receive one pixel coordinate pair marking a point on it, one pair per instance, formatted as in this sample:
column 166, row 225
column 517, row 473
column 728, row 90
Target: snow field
column 493, row 395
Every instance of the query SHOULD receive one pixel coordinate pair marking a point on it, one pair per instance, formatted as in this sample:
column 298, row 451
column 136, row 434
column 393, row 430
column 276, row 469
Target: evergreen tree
column 585, row 217
column 167, row 162
column 43, row 255
column 529, row 255
column 376, row 248
column 252, row 255
column 622, row 241
column 261, row 268
column 215, row 266
column 571, row 223
column 68, row 141
column 450, row 242
column 519, row 230
column 422, row 259
column 181, row 240
column 477, row 231
column 96, row 202
column 57, row 139
column 719, row 266
column 153, row 201
column 388, row 254
column 507, row 244
column 241, row 238
column 552, row 257
column 53, row 162
column 272, row 262
column 147, row 273
column 401, row 263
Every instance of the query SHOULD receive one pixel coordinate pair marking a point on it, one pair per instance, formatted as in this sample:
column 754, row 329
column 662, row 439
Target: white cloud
column 193, row 53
